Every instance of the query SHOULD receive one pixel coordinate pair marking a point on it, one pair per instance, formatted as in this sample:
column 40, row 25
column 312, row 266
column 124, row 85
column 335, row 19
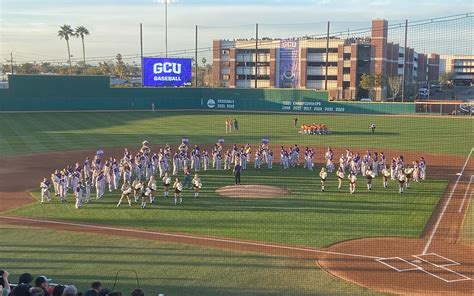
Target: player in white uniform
column 44, row 186
column 270, row 159
column 100, row 186
column 88, row 187
column 78, row 195
column 62, row 188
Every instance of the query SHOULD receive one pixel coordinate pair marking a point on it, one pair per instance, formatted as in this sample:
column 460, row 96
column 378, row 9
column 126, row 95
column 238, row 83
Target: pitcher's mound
column 252, row 191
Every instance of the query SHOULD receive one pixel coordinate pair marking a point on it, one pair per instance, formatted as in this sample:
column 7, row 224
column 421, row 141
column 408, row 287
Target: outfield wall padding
column 74, row 93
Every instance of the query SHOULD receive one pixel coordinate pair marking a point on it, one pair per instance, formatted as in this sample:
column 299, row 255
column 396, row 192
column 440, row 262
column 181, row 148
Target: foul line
column 465, row 194
column 237, row 242
column 440, row 217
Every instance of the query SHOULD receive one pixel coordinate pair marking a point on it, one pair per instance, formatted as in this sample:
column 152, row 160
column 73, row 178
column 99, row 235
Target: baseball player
column 197, row 185
column 227, row 160
column 352, row 182
column 340, row 177
column 175, row 163
column 323, row 175
column 166, row 185
column 55, row 177
column 205, row 157
column 258, row 160
column 178, row 187
column 269, row 159
column 78, row 195
column 88, row 187
column 218, row 161
column 422, row 165
column 386, row 176
column 100, row 185
column 62, row 186
column 44, row 187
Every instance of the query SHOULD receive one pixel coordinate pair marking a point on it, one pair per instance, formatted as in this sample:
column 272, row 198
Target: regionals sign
column 167, row 72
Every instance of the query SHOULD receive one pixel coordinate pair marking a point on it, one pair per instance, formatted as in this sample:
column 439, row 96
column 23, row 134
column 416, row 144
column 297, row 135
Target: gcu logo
column 289, row 44
column 167, row 68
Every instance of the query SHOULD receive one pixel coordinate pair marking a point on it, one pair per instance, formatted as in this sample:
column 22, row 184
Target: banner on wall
column 289, row 63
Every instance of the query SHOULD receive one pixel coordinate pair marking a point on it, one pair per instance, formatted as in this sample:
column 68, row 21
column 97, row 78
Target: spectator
column 70, row 291
column 43, row 283
column 4, row 284
column 58, row 290
column 104, row 292
column 95, row 289
column 24, row 285
column 137, row 292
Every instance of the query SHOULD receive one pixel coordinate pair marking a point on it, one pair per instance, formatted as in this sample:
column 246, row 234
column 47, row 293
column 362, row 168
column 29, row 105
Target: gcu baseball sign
column 167, row 72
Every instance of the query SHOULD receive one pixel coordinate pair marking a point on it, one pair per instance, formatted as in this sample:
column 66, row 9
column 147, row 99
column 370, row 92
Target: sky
column 28, row 28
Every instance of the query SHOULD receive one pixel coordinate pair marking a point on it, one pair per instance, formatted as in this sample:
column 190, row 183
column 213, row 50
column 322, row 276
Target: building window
column 226, row 51
column 226, row 77
column 347, row 56
column 346, row 84
column 346, row 70
column 225, row 64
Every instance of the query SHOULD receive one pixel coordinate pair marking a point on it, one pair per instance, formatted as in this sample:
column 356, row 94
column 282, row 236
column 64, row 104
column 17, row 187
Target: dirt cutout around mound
column 252, row 191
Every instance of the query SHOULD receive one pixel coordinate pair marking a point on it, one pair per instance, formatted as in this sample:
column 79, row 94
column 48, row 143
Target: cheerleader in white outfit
column 352, row 182
column 126, row 190
column 401, row 182
column 369, row 174
column 386, row 176
column 178, row 188
column 323, row 175
column 166, row 185
column 152, row 187
column 197, row 185
column 340, row 177
column 137, row 189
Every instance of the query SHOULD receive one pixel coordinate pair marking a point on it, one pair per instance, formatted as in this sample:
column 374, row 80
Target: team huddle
column 138, row 176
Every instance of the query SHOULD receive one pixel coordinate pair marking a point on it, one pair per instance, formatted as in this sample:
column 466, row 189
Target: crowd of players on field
column 141, row 174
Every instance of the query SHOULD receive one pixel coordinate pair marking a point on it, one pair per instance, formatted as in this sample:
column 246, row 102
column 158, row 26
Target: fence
column 445, row 107
column 73, row 93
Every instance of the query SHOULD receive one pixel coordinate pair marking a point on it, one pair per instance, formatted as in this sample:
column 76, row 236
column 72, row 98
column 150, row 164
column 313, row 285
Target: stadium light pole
column 166, row 2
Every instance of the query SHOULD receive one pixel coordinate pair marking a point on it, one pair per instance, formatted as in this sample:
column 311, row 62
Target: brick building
column 302, row 63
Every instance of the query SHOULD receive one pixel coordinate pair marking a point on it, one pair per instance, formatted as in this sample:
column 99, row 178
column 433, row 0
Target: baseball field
column 306, row 242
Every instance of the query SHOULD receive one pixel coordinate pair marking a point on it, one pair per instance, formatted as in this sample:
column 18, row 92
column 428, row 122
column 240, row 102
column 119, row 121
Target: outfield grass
column 172, row 269
column 39, row 132
column 305, row 217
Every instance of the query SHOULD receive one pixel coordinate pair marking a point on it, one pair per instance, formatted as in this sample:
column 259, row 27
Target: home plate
column 459, row 174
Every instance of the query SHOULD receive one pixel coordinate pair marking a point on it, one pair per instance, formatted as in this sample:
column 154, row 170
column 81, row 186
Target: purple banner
column 289, row 63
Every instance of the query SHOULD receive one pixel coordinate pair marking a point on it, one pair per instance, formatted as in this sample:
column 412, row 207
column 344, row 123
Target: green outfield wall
column 70, row 93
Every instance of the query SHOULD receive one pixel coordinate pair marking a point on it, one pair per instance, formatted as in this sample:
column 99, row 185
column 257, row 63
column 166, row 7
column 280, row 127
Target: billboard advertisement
column 289, row 63
column 167, row 72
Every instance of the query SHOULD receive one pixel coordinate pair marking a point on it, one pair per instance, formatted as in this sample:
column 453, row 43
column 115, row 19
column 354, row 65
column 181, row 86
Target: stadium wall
column 74, row 93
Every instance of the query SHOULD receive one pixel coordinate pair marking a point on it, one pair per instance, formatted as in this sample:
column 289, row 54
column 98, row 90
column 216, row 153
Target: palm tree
column 82, row 31
column 65, row 32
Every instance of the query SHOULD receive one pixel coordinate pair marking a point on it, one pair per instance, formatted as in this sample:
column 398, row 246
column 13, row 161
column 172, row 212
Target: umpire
column 236, row 172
